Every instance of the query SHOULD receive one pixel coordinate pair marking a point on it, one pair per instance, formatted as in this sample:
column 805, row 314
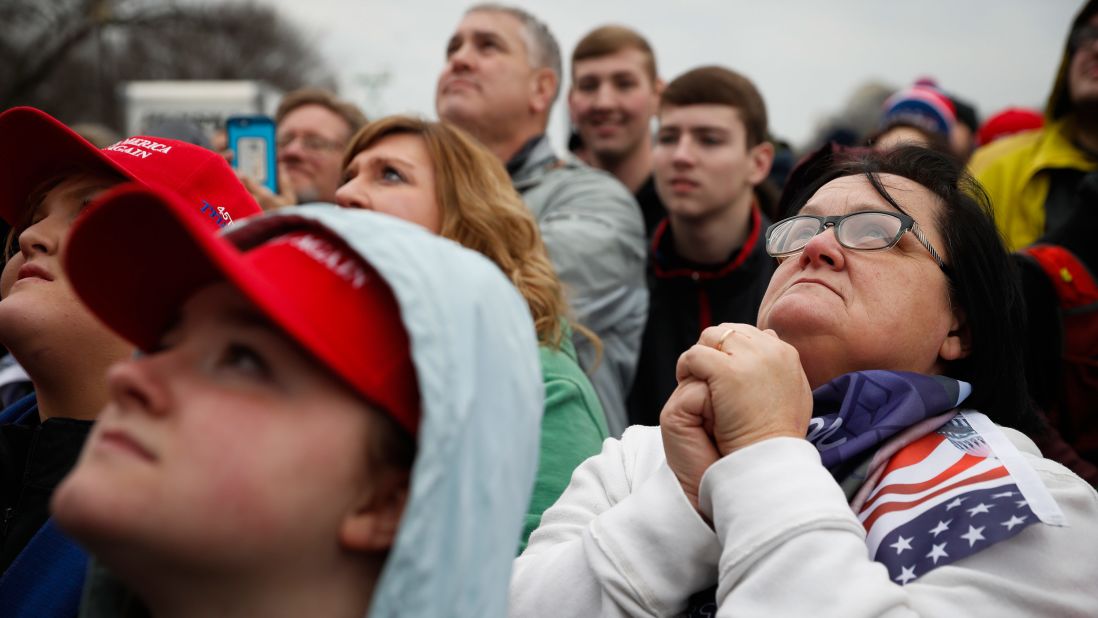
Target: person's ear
column 657, row 91
column 958, row 341
column 543, row 86
column 761, row 156
column 372, row 525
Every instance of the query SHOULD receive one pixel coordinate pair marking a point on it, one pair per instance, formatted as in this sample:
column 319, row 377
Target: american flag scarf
column 931, row 484
column 941, row 484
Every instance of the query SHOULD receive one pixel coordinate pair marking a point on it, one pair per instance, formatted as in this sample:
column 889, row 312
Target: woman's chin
column 798, row 317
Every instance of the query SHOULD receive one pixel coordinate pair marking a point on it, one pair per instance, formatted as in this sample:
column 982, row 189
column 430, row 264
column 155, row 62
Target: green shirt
column 572, row 428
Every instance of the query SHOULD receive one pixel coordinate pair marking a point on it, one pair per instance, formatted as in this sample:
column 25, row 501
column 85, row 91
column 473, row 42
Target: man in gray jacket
column 501, row 77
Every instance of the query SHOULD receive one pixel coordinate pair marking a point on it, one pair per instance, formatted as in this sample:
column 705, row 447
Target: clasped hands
column 737, row 386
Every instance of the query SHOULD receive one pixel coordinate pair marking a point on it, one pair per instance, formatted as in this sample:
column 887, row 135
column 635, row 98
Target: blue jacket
column 45, row 579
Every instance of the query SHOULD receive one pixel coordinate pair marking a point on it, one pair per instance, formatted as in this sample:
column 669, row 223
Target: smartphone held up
column 252, row 141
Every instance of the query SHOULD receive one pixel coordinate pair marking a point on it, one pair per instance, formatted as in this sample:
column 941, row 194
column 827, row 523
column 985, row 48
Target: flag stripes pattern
column 940, row 499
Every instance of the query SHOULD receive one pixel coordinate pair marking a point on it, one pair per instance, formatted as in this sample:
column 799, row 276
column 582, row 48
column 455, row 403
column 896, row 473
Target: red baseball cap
column 1008, row 122
column 37, row 147
column 298, row 273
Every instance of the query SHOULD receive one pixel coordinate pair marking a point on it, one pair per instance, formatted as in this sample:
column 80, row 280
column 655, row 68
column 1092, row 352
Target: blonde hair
column 482, row 211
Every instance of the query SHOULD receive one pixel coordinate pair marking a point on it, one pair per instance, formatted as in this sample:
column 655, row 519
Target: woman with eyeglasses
column 849, row 455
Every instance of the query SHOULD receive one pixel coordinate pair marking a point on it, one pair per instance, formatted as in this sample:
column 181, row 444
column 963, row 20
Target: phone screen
column 252, row 140
column 252, row 154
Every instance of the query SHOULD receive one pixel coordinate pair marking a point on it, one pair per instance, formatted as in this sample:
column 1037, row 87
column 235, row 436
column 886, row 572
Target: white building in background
column 204, row 103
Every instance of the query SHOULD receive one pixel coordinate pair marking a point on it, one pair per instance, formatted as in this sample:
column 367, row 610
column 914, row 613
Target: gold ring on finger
column 724, row 335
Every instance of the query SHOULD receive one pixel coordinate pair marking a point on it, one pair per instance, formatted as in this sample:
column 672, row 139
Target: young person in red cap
column 336, row 412
column 48, row 176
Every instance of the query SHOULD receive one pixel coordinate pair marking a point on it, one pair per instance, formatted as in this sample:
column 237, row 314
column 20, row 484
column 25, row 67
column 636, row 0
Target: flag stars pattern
column 943, row 534
column 937, row 551
column 979, row 508
column 906, row 574
column 901, row 544
column 974, row 534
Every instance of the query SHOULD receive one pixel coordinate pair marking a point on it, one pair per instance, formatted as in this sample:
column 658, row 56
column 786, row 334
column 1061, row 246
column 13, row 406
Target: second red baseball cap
column 36, row 147
column 304, row 277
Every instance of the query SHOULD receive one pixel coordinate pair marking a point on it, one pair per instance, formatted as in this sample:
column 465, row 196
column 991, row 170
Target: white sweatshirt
column 623, row 540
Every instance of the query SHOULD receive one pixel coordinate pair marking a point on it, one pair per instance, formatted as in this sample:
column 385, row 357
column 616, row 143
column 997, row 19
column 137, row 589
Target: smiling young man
column 614, row 95
column 708, row 261
column 500, row 80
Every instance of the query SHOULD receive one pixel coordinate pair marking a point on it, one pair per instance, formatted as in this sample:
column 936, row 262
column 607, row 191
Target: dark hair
column 713, row 85
column 390, row 446
column 934, row 141
column 966, row 113
column 575, row 141
column 983, row 282
column 1059, row 100
column 37, row 196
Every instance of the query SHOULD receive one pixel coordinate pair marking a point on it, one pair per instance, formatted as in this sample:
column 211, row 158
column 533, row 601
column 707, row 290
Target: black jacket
column 34, row 457
column 684, row 299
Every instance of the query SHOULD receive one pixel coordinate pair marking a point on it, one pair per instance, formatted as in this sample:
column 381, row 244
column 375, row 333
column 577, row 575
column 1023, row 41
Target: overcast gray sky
column 806, row 56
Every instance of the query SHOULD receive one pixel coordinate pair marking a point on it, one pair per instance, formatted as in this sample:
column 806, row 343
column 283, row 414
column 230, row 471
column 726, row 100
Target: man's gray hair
column 541, row 45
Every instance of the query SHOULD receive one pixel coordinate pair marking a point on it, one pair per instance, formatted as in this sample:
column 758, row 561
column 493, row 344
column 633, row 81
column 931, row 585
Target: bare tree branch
column 69, row 56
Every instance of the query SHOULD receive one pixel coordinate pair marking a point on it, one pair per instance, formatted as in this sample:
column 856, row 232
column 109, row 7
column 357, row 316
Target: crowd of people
column 444, row 370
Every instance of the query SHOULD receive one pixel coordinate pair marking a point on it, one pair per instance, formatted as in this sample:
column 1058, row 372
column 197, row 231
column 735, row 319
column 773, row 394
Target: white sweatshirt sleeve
column 791, row 546
column 622, row 540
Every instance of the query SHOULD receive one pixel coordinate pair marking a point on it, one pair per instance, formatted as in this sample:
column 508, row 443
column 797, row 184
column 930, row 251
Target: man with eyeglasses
column 313, row 128
column 1032, row 177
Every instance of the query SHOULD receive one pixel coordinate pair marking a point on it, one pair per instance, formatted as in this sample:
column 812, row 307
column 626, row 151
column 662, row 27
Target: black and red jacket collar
column 667, row 263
